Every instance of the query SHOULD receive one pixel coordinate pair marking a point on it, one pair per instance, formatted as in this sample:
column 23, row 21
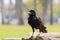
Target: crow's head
column 32, row 13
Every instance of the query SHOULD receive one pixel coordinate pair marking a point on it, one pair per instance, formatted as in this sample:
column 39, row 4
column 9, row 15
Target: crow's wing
column 38, row 19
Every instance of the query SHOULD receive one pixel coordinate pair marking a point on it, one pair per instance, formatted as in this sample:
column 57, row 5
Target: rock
column 41, row 36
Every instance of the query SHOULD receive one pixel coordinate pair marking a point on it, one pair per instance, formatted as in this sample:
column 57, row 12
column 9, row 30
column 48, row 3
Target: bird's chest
column 34, row 23
column 31, row 22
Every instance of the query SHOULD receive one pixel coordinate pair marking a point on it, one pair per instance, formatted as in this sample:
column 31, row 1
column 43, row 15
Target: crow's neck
column 32, row 17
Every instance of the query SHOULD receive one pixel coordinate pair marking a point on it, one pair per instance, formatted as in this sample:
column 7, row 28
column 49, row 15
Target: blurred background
column 14, row 16
column 16, row 11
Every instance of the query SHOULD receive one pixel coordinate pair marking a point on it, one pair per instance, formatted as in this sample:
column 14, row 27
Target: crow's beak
column 29, row 13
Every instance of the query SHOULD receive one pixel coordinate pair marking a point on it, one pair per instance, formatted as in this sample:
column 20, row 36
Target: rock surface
column 40, row 36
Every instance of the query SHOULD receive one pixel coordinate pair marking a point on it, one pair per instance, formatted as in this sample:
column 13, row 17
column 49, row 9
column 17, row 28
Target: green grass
column 16, row 31
column 13, row 31
column 53, row 28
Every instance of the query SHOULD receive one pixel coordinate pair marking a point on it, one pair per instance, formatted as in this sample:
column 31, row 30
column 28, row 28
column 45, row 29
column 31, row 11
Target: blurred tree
column 19, row 11
column 45, row 4
column 35, row 5
column 51, row 15
column 10, row 12
column 59, row 6
column 2, row 11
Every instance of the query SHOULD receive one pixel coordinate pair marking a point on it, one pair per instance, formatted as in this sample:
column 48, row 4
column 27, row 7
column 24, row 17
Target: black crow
column 36, row 22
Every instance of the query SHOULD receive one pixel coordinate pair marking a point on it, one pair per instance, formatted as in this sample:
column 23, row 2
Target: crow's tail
column 43, row 29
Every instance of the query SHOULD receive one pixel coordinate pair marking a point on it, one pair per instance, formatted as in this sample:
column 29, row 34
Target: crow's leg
column 39, row 32
column 31, row 38
column 33, row 32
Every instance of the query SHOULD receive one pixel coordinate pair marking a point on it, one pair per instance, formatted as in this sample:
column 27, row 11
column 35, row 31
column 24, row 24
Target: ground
column 17, row 31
